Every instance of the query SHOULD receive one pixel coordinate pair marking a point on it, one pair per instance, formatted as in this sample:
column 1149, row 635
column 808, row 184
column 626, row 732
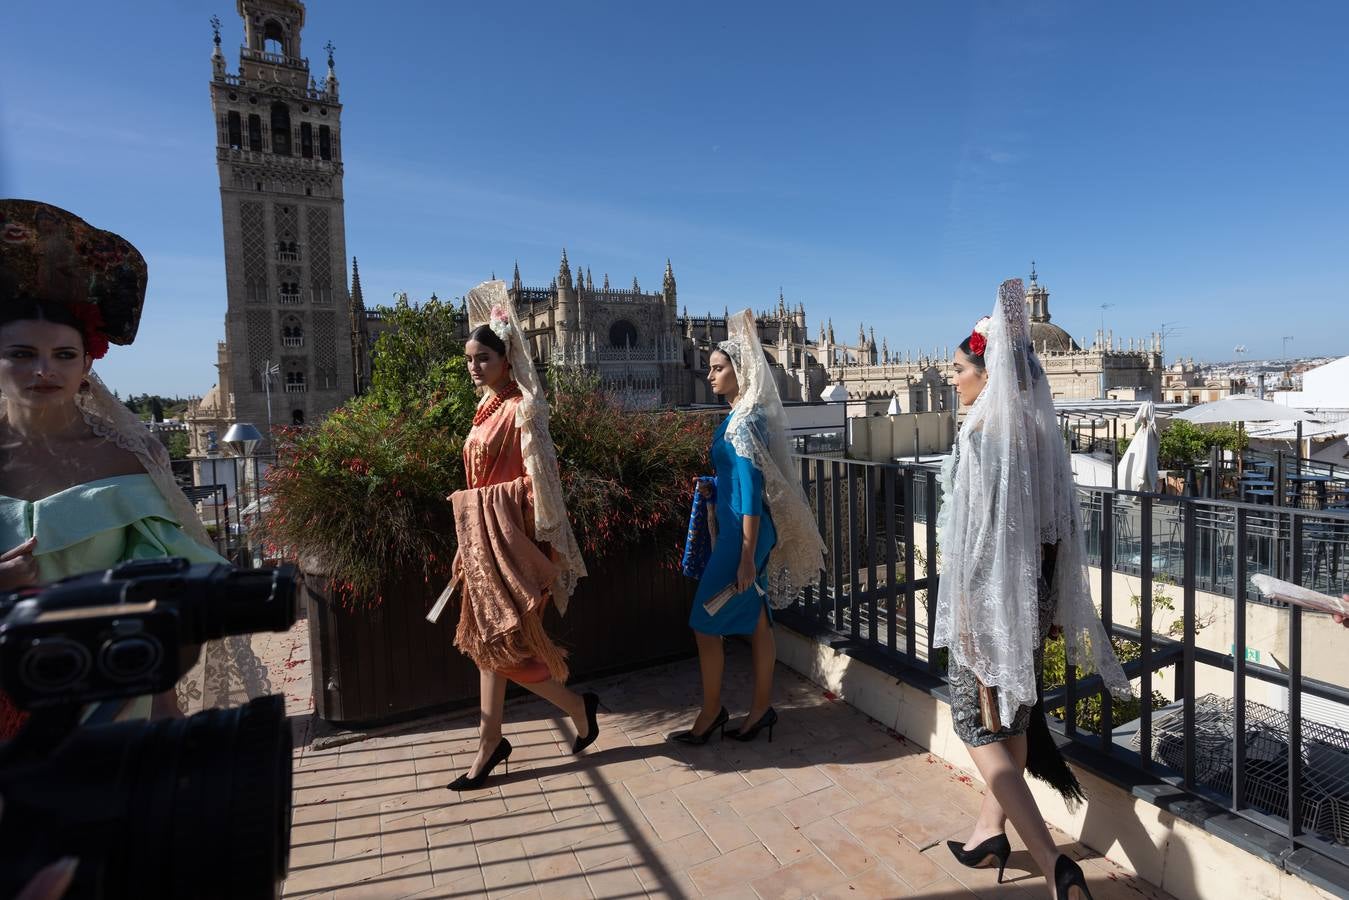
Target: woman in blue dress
column 765, row 546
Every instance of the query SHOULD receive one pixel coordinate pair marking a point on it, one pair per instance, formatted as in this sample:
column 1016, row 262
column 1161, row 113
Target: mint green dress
column 96, row 525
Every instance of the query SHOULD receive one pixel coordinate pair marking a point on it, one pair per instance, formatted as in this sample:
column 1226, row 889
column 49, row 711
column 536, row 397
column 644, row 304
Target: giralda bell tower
column 279, row 152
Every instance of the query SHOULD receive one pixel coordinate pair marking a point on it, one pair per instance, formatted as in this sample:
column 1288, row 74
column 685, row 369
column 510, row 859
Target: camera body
column 195, row 807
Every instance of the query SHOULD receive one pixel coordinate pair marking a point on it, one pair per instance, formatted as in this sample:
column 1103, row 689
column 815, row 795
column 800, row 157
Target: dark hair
column 976, row 359
column 484, row 335
column 27, row 309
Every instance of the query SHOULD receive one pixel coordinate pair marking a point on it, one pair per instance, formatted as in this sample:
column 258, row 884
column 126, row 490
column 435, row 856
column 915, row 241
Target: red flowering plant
column 626, row 475
column 361, row 496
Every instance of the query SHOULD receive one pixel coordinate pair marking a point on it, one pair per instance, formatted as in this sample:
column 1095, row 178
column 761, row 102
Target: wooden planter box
column 377, row 666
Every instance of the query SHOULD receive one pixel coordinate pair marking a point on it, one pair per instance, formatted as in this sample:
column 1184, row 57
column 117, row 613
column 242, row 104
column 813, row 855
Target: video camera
column 197, row 807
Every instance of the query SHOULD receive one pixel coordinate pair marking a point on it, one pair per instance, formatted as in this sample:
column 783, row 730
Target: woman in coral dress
column 516, row 553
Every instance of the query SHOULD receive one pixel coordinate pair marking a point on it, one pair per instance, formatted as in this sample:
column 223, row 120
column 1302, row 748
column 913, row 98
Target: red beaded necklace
column 486, row 411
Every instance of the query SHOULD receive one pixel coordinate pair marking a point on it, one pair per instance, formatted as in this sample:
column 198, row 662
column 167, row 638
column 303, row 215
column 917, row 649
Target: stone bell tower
column 288, row 323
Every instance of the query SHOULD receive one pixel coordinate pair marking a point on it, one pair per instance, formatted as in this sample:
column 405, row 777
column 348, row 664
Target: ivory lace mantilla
column 1009, row 491
column 758, row 432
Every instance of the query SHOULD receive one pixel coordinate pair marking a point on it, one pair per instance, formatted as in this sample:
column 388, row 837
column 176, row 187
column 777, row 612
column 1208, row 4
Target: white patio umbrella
column 1242, row 408
column 1138, row 467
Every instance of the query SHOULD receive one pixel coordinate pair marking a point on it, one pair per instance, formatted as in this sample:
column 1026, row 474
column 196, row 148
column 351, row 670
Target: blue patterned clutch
column 698, row 544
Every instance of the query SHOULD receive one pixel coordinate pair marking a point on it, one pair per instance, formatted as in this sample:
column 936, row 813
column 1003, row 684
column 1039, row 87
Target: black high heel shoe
column 995, row 849
column 767, row 720
column 501, row 754
column 692, row 737
column 1068, row 875
column 592, row 701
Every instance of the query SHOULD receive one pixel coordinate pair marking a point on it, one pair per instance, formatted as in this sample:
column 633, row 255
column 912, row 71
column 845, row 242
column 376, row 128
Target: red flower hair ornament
column 979, row 336
column 91, row 322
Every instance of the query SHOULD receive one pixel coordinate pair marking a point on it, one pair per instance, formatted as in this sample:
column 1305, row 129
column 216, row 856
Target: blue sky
column 881, row 162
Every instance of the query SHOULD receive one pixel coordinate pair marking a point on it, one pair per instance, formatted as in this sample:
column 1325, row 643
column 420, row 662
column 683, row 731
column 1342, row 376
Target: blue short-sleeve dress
column 739, row 494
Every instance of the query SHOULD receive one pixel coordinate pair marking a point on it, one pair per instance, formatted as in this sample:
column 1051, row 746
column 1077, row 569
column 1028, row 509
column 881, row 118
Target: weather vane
column 215, row 28
column 330, row 48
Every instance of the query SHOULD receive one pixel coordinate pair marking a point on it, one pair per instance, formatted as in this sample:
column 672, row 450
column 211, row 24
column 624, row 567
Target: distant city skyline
column 886, row 164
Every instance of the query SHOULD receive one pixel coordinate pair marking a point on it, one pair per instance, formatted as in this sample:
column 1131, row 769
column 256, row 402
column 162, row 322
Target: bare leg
column 765, row 654
column 491, row 710
column 711, row 663
column 992, row 818
column 1005, row 779
column 565, row 699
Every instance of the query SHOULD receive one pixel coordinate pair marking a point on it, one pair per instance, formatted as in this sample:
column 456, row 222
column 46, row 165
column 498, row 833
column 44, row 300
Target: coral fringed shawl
column 505, row 577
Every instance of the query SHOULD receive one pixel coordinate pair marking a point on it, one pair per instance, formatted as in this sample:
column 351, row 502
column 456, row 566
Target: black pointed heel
column 995, row 849
column 767, row 720
column 501, row 754
column 692, row 737
column 1068, row 875
column 592, row 701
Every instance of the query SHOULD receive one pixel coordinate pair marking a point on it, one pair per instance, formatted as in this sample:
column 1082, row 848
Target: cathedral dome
column 1045, row 336
column 1048, row 336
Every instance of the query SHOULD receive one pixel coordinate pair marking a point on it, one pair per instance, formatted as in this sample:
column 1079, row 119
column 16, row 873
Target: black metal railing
column 226, row 491
column 876, row 601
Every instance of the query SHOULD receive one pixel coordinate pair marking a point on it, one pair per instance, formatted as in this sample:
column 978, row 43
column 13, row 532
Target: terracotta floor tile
column 603, row 848
column 808, row 779
column 664, row 780
column 829, row 801
column 390, row 885
column 452, row 853
column 667, row 815
column 614, row 879
column 726, row 829
column 708, row 790
column 876, row 883
column 734, row 870
column 505, row 867
column 783, row 839
column 892, row 849
column 843, row 850
column 764, row 796
column 803, row 878
column 559, row 874
column 879, row 813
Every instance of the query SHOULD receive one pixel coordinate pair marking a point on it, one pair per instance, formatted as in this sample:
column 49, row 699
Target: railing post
column 1296, row 522
column 1145, row 632
column 1239, row 667
column 836, row 504
column 930, row 529
column 910, row 601
column 1107, row 608
column 890, row 538
column 854, row 538
column 807, row 596
column 822, row 490
column 1188, row 660
column 869, row 509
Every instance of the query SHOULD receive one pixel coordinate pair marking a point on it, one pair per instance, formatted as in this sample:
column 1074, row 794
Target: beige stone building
column 1097, row 370
column 1186, row 382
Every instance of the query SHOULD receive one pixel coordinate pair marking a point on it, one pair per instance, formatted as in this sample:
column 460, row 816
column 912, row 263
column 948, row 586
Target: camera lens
column 54, row 664
column 130, row 658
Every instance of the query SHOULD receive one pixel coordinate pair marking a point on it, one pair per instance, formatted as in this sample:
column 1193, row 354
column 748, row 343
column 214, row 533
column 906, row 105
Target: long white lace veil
column 1012, row 492
column 227, row 671
column 757, row 431
column 536, row 443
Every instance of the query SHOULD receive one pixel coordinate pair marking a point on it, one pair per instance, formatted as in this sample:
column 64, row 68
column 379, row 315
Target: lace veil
column 227, row 671
column 536, row 444
column 1012, row 491
column 758, row 432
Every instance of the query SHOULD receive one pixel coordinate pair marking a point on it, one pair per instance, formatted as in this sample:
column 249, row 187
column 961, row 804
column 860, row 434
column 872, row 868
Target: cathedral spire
column 357, row 300
column 564, row 272
column 635, row 288
column 516, row 285
column 669, row 284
